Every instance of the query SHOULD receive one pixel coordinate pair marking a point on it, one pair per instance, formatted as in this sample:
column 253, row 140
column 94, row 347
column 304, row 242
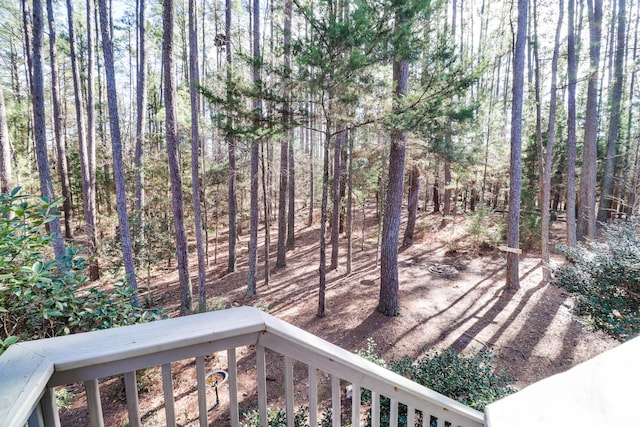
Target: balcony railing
column 29, row 372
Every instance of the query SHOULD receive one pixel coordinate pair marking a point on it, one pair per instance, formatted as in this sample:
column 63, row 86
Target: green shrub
column 276, row 417
column 604, row 277
column 471, row 380
column 41, row 296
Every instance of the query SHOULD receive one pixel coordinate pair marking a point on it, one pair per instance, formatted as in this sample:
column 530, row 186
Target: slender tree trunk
column 412, row 206
column 255, row 157
column 606, row 197
column 350, row 206
column 388, row 302
column 231, row 145
column 82, row 141
column 6, row 174
column 515, row 174
column 141, row 118
column 291, row 214
column 572, row 70
column 548, row 159
column 633, row 191
column 311, row 136
column 195, row 151
column 281, row 257
column 90, row 216
column 57, row 127
column 322, row 270
column 335, row 193
column 40, row 126
column 587, row 213
column 173, row 153
column 116, row 149
column 266, row 204
column 447, row 183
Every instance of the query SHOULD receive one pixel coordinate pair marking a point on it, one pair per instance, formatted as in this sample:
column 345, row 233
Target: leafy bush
column 471, row 380
column 605, row 279
column 484, row 229
column 276, row 417
column 43, row 297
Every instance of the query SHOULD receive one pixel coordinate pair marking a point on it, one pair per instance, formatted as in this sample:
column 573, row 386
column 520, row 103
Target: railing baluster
column 313, row 396
column 261, row 366
column 232, row 370
column 335, row 400
column 94, row 405
column 36, row 419
column 289, row 395
column 202, row 391
column 355, row 405
column 375, row 408
column 393, row 412
column 49, row 407
column 426, row 419
column 411, row 416
column 167, row 388
column 133, row 406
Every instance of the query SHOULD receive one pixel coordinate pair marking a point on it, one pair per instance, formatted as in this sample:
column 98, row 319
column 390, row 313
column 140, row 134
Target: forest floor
column 452, row 294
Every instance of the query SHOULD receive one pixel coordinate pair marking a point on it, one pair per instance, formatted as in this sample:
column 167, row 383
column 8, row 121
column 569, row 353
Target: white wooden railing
column 29, row 371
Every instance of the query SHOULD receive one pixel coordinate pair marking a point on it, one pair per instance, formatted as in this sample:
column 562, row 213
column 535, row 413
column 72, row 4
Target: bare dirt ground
column 452, row 295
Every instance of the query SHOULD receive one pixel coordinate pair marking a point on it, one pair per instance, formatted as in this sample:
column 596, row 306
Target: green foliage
column 42, row 297
column 486, row 232
column 605, row 279
column 64, row 398
column 276, row 417
column 217, row 303
column 471, row 379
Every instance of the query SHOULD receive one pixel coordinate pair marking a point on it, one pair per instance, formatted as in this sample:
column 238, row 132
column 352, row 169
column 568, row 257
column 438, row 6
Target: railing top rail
column 108, row 345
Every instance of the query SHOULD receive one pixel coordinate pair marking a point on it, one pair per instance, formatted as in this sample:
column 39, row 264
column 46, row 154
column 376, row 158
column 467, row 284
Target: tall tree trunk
column 548, row 158
column 412, row 206
column 90, row 216
column 61, row 151
column 572, row 71
column 141, row 119
column 116, row 149
column 175, row 177
column 255, row 156
column 635, row 182
column 281, row 260
column 606, row 197
column 231, row 145
column 515, row 172
column 40, row 126
column 335, row 195
column 388, row 301
column 322, row 270
column 447, row 183
column 291, row 213
column 266, row 204
column 587, row 213
column 6, row 173
column 195, row 151
column 82, row 141
column 311, row 136
column 350, row 205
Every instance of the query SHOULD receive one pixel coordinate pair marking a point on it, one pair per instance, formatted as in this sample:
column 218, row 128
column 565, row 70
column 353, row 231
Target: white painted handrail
column 30, row 370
